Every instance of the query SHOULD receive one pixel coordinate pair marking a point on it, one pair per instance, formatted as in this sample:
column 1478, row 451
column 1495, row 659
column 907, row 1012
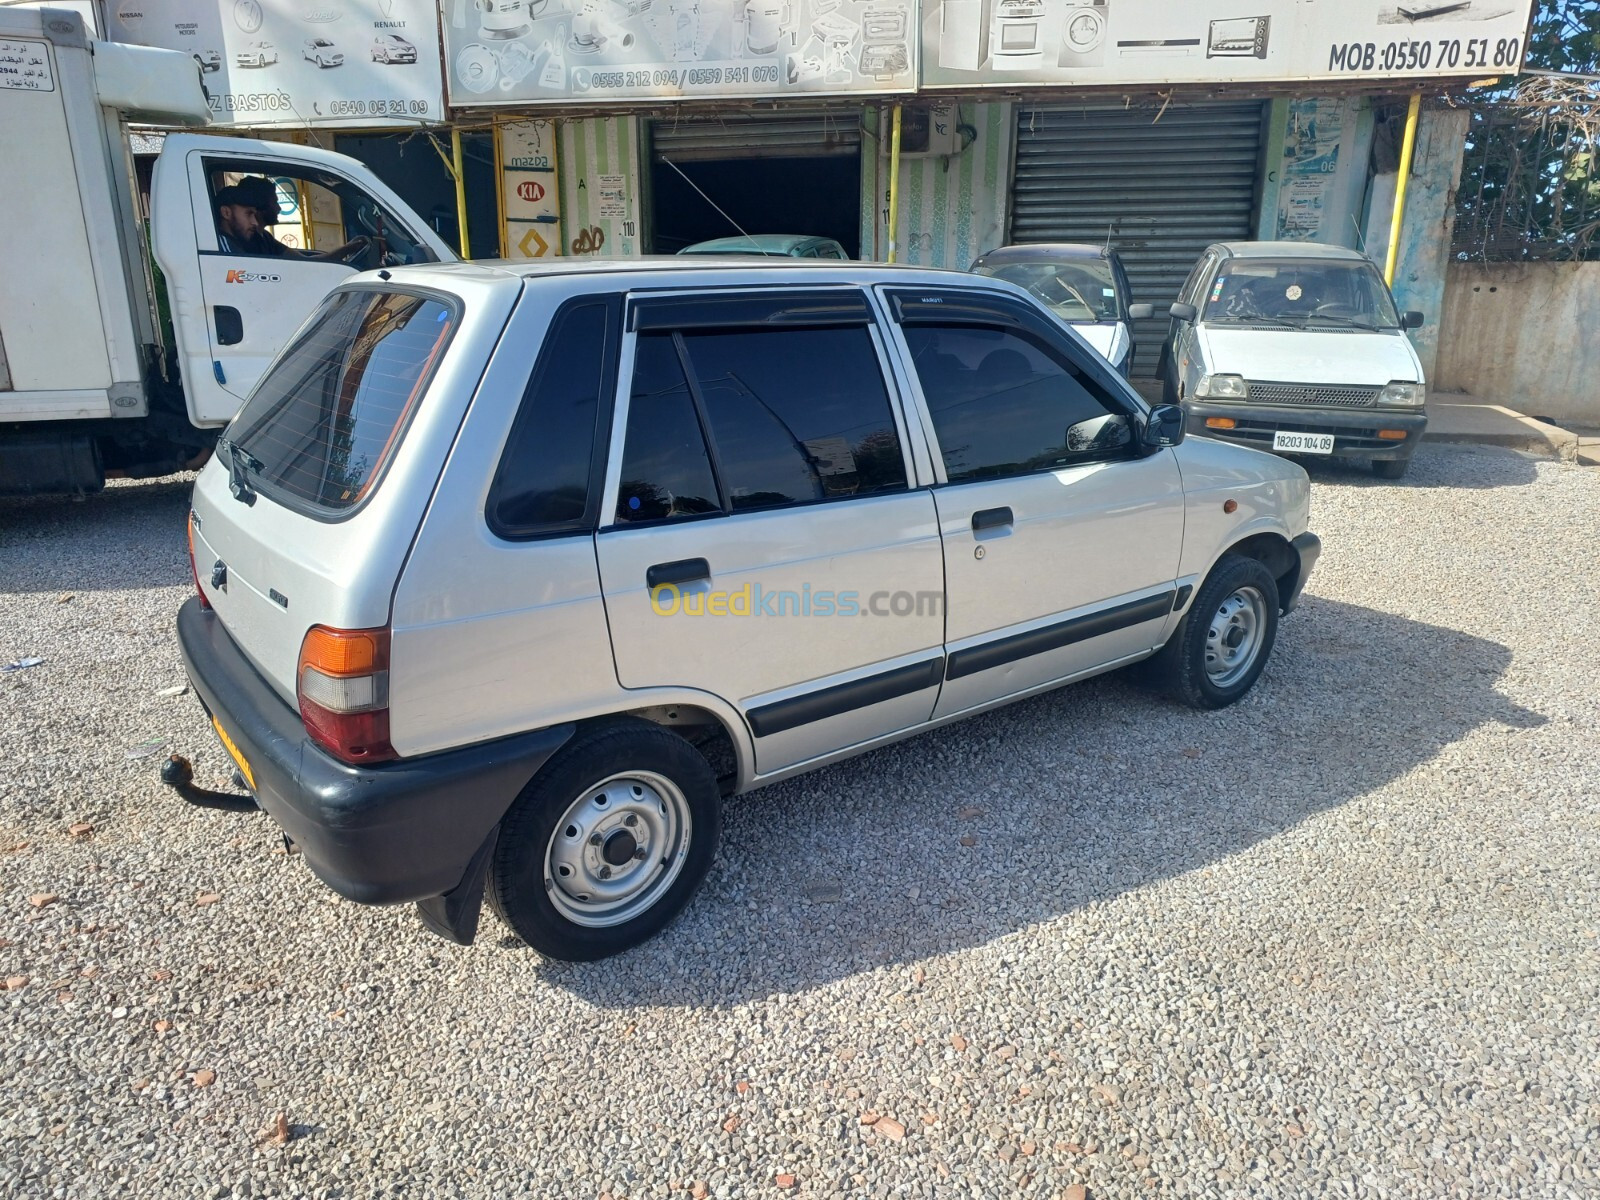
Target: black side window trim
column 600, row 441
column 783, row 308
column 1001, row 312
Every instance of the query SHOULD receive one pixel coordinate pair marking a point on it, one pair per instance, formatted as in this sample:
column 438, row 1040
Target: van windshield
column 1076, row 290
column 1302, row 293
column 323, row 424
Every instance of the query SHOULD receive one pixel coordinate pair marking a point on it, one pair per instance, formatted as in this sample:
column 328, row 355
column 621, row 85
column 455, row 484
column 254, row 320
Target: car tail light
column 193, row 569
column 343, row 689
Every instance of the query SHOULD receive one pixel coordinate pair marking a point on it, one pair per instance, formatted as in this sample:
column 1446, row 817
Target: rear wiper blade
column 240, row 462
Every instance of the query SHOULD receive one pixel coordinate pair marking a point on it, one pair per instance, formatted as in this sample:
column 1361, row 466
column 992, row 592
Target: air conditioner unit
column 930, row 130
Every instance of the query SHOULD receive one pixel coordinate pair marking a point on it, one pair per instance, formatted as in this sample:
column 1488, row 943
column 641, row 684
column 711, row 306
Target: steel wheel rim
column 617, row 849
column 1234, row 638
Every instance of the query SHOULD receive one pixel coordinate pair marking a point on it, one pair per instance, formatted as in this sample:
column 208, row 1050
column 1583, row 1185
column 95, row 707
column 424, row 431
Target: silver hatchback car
column 508, row 576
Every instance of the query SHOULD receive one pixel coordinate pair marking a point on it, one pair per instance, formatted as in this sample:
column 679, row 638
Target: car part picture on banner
column 507, row 51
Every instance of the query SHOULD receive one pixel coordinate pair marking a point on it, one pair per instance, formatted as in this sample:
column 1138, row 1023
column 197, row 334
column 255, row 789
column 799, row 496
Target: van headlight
column 1222, row 387
column 1404, row 395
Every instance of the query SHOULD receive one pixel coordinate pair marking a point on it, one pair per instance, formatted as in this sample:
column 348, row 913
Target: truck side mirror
column 1184, row 312
column 1141, row 312
column 1412, row 319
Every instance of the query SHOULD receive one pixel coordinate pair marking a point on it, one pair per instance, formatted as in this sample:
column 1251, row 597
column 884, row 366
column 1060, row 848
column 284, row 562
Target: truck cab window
column 320, row 217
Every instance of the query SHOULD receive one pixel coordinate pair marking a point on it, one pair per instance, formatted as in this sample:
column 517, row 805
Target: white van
column 1297, row 348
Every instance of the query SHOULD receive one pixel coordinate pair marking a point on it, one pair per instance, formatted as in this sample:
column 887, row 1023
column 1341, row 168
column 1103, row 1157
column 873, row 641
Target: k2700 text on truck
column 93, row 379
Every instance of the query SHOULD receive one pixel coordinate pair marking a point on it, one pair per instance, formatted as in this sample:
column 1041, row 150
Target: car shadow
column 965, row 835
column 110, row 535
column 1435, row 465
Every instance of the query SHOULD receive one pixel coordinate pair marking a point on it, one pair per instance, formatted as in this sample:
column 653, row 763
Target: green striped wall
column 587, row 149
column 952, row 208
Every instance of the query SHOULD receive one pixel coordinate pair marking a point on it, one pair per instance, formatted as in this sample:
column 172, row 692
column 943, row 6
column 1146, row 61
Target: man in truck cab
column 259, row 195
column 238, row 222
column 263, row 194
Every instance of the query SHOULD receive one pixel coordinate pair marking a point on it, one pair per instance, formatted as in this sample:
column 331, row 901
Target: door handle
column 230, row 325
column 990, row 518
column 685, row 570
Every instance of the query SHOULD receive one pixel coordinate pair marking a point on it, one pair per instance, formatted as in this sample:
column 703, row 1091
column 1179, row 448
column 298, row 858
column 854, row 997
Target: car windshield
column 1082, row 290
column 1304, row 293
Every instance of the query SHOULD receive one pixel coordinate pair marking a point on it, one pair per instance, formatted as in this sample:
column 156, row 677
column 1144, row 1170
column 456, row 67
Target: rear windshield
column 322, row 425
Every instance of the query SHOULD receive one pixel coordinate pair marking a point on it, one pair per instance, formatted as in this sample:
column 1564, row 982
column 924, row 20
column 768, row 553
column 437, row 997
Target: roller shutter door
column 1162, row 190
column 801, row 133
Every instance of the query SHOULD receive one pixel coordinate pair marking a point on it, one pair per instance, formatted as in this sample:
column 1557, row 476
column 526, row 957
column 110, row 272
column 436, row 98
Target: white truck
column 93, row 379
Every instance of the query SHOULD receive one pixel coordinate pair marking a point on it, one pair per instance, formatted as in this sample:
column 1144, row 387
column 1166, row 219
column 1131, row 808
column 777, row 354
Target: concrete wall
column 1430, row 219
column 1526, row 335
column 952, row 207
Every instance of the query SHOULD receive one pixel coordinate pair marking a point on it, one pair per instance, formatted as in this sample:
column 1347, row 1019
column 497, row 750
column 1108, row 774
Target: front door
column 1061, row 535
column 238, row 287
column 765, row 540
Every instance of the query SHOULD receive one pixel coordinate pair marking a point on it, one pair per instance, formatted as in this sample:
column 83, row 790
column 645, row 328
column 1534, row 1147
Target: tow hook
column 178, row 774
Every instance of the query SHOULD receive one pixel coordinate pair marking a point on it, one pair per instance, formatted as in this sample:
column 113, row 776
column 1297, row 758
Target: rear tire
column 607, row 843
column 1390, row 468
column 1223, row 642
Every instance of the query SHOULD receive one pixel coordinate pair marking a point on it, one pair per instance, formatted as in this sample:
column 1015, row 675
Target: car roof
column 758, row 243
column 1290, row 250
column 674, row 271
column 1037, row 250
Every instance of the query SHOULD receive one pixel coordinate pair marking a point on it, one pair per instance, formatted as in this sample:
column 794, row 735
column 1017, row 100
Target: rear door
column 763, row 538
column 1061, row 538
column 235, row 303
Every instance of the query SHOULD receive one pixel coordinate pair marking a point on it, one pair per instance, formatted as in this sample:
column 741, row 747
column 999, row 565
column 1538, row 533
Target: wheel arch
column 1273, row 551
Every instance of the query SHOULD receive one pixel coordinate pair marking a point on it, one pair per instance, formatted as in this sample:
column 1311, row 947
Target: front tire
column 1390, row 468
column 1223, row 642
column 608, row 843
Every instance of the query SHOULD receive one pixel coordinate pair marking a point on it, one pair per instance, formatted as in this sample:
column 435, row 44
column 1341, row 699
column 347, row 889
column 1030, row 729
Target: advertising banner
column 336, row 63
column 595, row 51
column 1007, row 43
column 532, row 208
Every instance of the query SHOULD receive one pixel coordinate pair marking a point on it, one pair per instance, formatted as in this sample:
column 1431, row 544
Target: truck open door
column 236, row 295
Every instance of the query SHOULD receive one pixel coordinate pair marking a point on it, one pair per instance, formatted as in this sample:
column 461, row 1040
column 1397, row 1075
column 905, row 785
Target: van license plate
column 1303, row 443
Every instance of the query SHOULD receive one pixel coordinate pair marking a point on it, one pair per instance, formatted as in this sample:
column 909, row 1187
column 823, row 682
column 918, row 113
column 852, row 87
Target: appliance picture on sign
column 1007, row 43
column 1083, row 41
column 510, row 51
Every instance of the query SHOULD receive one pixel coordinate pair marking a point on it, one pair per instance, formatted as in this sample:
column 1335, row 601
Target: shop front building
column 622, row 127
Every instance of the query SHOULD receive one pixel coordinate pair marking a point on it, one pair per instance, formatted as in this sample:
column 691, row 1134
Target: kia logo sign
column 530, row 190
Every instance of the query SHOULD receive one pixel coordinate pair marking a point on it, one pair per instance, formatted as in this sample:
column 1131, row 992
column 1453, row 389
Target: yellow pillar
column 1407, row 149
column 461, row 191
column 894, row 182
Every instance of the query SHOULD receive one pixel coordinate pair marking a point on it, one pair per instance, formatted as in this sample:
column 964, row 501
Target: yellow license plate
column 238, row 759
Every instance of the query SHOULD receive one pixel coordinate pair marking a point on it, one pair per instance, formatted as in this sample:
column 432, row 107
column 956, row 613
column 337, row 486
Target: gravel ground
column 1339, row 940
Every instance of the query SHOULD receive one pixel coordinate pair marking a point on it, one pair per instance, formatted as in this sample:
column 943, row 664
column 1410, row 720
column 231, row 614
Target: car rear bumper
column 386, row 834
column 1355, row 430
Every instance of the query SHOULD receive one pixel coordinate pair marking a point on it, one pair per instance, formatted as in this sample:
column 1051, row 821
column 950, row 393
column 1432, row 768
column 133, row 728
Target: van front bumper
column 1355, row 430
column 386, row 834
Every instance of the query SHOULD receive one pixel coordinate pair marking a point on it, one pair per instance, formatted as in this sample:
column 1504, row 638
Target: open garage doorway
column 792, row 173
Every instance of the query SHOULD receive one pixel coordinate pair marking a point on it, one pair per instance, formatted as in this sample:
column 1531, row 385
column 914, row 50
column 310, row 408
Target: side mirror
column 1184, row 312
column 1141, row 312
column 1412, row 320
column 1099, row 434
column 1165, row 427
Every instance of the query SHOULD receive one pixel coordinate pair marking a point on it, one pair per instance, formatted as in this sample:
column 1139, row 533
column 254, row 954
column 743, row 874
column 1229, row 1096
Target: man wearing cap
column 238, row 222
column 259, row 195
